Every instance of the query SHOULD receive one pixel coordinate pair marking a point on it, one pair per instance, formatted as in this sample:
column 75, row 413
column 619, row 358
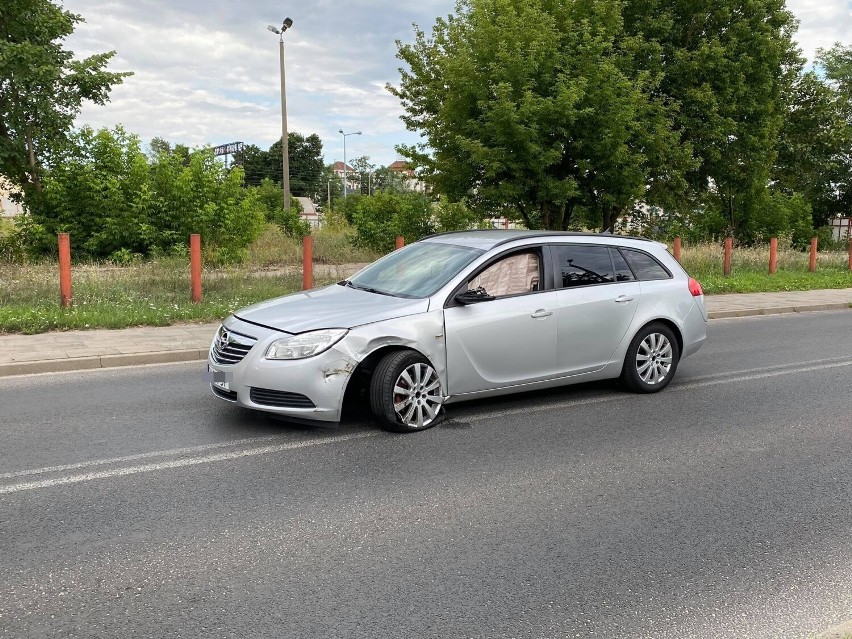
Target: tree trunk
column 34, row 178
column 524, row 215
column 545, row 216
column 567, row 215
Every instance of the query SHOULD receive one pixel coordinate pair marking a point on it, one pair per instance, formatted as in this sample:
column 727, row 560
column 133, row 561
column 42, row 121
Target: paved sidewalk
column 79, row 350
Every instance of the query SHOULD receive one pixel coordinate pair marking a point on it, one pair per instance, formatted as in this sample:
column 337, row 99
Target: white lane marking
column 126, row 458
column 765, row 375
column 204, row 459
column 764, row 369
column 675, row 388
column 177, row 463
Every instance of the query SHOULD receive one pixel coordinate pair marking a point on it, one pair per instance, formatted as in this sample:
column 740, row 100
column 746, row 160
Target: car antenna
column 607, row 232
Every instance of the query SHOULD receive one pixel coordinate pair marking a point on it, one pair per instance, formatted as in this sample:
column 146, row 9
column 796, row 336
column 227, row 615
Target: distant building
column 309, row 211
column 411, row 182
column 352, row 178
column 8, row 208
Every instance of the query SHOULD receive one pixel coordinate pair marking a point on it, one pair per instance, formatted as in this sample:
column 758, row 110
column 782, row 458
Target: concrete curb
column 192, row 355
column 101, row 361
column 777, row 310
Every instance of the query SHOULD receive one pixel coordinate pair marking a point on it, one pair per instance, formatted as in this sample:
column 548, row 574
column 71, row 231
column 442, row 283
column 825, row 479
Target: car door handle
column 541, row 313
column 623, row 299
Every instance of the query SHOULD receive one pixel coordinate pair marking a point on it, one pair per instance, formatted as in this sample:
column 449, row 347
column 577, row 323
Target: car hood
column 334, row 306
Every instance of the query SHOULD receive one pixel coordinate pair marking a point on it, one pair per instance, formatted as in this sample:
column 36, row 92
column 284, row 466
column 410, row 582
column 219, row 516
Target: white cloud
column 206, row 71
column 822, row 23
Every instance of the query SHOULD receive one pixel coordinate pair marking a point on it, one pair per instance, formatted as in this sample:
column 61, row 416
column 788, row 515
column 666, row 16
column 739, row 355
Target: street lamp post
column 285, row 147
column 345, row 135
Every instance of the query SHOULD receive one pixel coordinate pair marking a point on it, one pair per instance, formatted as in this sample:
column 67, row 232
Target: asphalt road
column 135, row 504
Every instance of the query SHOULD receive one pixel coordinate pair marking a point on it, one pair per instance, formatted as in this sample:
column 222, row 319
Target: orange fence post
column 307, row 262
column 677, row 248
column 195, row 267
column 812, row 264
column 64, row 270
column 729, row 245
column 773, row 255
column 400, row 241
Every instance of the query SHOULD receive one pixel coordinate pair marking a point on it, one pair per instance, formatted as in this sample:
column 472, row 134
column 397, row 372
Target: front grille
column 229, row 347
column 229, row 395
column 280, row 399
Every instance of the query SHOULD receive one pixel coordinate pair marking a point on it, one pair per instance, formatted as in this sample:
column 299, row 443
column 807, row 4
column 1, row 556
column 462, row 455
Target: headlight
column 305, row 345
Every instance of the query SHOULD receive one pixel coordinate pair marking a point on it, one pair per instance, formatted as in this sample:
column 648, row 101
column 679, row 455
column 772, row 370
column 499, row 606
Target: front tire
column 405, row 393
column 651, row 359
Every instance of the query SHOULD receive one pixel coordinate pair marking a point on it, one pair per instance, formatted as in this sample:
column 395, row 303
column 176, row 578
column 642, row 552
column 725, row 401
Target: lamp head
column 287, row 24
column 273, row 29
column 340, row 131
column 357, row 133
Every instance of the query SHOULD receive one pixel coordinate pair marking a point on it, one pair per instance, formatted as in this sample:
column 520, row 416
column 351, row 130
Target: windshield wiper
column 369, row 289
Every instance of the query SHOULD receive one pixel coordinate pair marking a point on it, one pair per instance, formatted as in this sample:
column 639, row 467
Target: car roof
column 487, row 239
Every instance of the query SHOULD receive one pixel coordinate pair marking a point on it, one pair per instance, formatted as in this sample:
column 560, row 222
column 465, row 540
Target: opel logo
column 224, row 340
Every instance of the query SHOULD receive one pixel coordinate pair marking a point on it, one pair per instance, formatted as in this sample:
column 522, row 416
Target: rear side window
column 622, row 270
column 644, row 266
column 583, row 265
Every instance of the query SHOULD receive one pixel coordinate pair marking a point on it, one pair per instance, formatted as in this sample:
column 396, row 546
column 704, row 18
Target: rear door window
column 583, row 265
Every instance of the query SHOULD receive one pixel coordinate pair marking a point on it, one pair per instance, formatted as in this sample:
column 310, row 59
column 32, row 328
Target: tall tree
column 532, row 106
column 42, row 87
column 814, row 147
column 306, row 164
column 837, row 63
column 724, row 63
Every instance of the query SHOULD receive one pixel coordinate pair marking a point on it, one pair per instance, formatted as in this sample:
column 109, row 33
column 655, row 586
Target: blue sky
column 206, row 71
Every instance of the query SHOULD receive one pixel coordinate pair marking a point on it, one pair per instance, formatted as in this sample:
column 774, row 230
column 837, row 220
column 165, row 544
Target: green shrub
column 116, row 202
column 379, row 218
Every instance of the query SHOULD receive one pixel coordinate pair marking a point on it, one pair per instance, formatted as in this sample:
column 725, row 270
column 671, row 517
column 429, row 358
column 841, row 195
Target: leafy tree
column 271, row 197
column 541, row 119
column 362, row 171
column 306, row 164
column 455, row 216
column 813, row 147
column 42, row 88
column 724, row 65
column 332, row 186
column 379, row 218
column 114, row 201
column 384, row 179
column 837, row 63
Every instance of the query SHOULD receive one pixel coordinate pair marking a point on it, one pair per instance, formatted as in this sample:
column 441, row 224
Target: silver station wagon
column 461, row 316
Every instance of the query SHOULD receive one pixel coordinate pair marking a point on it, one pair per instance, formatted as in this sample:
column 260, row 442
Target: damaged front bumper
column 310, row 388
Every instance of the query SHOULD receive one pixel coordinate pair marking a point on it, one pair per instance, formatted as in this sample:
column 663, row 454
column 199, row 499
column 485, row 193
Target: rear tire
column 651, row 359
column 405, row 393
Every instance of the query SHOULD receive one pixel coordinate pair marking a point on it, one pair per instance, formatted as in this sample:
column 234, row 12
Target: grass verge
column 750, row 270
column 148, row 294
column 156, row 293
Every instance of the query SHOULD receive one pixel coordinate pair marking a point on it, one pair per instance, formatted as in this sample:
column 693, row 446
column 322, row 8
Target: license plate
column 219, row 379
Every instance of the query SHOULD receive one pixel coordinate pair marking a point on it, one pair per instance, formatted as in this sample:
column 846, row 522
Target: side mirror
column 473, row 296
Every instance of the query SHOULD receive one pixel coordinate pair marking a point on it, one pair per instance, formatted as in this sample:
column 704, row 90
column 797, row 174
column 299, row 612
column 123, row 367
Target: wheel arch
column 668, row 324
column 358, row 384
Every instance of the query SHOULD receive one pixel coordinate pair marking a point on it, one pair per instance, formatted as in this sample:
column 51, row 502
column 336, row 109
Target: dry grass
column 330, row 246
column 156, row 292
column 708, row 258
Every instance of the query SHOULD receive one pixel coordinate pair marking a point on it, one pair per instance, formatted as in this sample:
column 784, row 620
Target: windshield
column 417, row 270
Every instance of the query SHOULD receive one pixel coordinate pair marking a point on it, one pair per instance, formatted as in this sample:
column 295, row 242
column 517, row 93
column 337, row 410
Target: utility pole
column 345, row 135
column 285, row 147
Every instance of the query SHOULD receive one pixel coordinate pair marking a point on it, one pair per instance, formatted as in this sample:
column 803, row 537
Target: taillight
column 695, row 288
